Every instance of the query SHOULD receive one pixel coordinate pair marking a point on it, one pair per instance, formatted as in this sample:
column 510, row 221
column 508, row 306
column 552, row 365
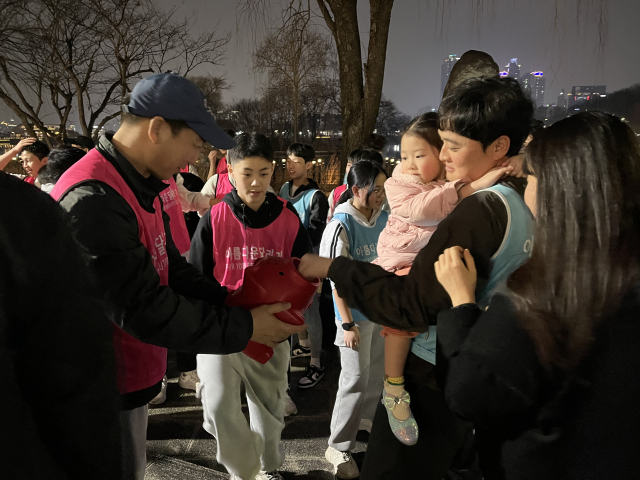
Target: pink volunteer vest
column 236, row 247
column 222, row 166
column 171, row 204
column 140, row 365
column 223, row 186
column 337, row 193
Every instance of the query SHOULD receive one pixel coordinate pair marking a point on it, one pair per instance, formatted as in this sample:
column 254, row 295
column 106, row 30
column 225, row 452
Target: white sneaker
column 189, row 380
column 162, row 396
column 289, row 407
column 344, row 466
column 365, row 424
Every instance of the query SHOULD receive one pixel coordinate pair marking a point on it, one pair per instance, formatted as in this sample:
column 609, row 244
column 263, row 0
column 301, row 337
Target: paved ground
column 179, row 448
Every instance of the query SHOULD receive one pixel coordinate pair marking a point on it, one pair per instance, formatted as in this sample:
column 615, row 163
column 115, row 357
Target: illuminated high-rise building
column 513, row 69
column 448, row 64
column 562, row 100
column 533, row 83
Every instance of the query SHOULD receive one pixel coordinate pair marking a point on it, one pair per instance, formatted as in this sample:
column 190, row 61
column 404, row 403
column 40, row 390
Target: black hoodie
column 201, row 252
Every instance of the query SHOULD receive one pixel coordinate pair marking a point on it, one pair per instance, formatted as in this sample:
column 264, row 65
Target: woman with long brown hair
column 552, row 367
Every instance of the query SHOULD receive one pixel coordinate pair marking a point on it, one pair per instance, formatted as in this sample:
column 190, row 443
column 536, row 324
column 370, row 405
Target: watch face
column 347, row 326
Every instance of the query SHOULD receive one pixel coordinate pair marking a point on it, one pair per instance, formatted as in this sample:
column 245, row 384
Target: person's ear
column 355, row 190
column 500, row 147
column 44, row 160
column 156, row 129
column 308, row 165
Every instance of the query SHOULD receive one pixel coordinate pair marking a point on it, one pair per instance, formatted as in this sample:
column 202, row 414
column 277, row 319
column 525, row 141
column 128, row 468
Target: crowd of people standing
column 485, row 294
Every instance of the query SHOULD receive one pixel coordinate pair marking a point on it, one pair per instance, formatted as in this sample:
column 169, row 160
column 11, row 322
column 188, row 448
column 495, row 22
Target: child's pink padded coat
column 416, row 210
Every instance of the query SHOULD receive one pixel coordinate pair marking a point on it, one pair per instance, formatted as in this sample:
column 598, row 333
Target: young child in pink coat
column 419, row 198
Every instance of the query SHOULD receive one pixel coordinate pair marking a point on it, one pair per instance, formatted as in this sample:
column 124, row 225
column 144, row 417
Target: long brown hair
column 586, row 253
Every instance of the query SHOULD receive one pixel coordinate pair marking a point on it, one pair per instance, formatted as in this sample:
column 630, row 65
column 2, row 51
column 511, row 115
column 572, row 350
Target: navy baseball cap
column 173, row 97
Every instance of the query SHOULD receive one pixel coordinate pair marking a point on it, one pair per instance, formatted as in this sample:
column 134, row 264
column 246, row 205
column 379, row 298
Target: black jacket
column 60, row 404
column 318, row 210
column 201, row 252
column 187, row 315
column 586, row 426
column 412, row 302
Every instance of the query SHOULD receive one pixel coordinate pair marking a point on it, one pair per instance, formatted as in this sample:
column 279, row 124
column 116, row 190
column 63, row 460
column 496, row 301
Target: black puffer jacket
column 552, row 426
column 188, row 315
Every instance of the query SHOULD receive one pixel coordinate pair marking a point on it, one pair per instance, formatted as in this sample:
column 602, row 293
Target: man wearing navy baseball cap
column 157, row 300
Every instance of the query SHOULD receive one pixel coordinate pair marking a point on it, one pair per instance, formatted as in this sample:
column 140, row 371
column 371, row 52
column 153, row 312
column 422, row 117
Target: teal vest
column 515, row 250
column 301, row 202
column 363, row 246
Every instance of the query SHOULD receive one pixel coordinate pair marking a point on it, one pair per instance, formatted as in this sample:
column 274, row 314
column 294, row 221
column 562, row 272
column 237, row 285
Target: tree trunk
column 376, row 59
column 360, row 101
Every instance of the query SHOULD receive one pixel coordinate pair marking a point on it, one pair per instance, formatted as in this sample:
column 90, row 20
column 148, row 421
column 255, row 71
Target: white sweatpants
column 360, row 384
column 242, row 448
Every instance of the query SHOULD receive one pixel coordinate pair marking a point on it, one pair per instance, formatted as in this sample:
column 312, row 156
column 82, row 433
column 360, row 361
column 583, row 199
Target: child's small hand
column 458, row 279
column 516, row 162
column 352, row 338
column 492, row 176
column 486, row 181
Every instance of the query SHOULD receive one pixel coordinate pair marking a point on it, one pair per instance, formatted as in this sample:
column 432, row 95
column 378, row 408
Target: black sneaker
column 300, row 351
column 312, row 377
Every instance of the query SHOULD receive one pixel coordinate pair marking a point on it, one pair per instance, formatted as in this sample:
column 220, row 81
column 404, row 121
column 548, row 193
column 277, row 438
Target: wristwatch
column 347, row 326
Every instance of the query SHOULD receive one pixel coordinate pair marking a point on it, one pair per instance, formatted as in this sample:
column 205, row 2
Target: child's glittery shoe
column 404, row 430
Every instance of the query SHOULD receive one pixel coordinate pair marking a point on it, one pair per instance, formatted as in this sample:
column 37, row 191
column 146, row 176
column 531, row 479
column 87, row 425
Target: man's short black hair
column 60, row 160
column 38, row 148
column 301, row 150
column 375, row 141
column 484, row 109
column 251, row 145
column 81, row 141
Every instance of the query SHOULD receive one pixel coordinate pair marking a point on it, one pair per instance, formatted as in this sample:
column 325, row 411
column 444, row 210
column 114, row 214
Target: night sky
column 421, row 37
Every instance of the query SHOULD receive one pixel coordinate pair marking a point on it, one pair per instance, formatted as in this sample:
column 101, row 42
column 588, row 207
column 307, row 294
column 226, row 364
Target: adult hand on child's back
column 267, row 329
column 312, row 266
column 457, row 279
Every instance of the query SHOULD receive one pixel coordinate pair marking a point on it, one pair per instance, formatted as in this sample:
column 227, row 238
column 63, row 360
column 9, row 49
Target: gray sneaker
column 312, row 377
